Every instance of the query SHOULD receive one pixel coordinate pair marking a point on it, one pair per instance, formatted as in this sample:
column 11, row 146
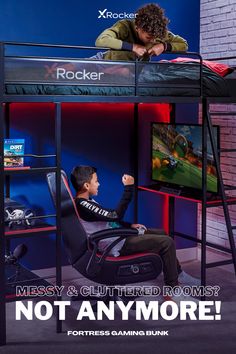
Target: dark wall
column 97, row 134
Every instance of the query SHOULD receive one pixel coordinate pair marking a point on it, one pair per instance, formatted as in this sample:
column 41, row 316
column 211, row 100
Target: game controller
column 141, row 230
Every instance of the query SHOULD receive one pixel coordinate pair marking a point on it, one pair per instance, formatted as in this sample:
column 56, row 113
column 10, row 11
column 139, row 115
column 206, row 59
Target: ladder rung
column 233, row 227
column 227, row 150
column 218, row 203
column 220, row 263
column 231, row 203
column 229, row 188
column 222, row 113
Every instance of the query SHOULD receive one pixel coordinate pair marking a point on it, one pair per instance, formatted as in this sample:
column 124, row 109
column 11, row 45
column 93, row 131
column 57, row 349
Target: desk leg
column 171, row 217
column 135, row 159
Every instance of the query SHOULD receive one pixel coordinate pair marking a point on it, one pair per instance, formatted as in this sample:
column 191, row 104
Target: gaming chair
column 83, row 252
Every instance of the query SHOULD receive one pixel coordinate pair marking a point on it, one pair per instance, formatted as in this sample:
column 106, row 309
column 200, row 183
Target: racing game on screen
column 177, row 156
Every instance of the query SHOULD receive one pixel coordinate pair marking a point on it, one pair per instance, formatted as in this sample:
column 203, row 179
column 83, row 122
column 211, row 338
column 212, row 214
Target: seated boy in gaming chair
column 95, row 217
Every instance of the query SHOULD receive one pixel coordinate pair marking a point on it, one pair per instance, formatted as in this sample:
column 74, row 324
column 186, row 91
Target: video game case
column 13, row 148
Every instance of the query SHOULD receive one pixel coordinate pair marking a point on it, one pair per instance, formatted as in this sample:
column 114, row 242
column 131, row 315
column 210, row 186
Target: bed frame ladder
column 224, row 201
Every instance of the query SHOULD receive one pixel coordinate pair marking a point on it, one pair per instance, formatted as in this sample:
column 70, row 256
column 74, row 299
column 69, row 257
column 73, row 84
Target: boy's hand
column 139, row 50
column 157, row 49
column 139, row 226
column 127, row 180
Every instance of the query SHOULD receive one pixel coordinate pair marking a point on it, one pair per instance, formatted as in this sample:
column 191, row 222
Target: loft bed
column 42, row 78
column 55, row 79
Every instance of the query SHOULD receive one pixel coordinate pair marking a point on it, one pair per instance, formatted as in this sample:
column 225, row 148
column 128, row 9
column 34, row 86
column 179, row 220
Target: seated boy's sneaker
column 187, row 279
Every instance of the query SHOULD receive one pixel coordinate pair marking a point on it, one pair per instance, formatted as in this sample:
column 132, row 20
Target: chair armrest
column 94, row 266
column 107, row 233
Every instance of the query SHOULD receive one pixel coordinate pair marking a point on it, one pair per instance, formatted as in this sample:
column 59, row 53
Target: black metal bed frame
column 57, row 100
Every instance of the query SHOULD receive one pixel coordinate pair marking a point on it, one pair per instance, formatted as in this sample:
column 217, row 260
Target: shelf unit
column 40, row 229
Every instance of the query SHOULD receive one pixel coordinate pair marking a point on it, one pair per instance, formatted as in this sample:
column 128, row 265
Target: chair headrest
column 67, row 202
column 73, row 233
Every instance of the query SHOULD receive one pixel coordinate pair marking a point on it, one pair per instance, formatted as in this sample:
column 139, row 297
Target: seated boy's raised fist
column 127, row 180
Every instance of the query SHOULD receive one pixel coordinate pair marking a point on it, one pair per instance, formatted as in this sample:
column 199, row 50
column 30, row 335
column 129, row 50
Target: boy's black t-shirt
column 95, row 217
column 89, row 210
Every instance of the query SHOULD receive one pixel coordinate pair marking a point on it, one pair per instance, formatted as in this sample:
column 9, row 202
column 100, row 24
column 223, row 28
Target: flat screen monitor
column 177, row 156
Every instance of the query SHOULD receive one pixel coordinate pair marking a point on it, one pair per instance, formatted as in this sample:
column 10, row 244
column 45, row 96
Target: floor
column 183, row 336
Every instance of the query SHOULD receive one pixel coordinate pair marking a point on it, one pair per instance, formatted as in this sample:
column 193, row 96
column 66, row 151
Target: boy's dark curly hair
column 150, row 18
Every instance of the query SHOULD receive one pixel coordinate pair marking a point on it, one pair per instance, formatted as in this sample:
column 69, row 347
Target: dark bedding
column 153, row 80
column 186, row 74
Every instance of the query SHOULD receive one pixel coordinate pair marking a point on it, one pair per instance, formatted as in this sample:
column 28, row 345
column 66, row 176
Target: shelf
column 22, row 168
column 36, row 170
column 38, row 229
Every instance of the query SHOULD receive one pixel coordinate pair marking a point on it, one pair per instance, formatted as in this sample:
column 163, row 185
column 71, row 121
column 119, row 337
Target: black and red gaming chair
column 83, row 251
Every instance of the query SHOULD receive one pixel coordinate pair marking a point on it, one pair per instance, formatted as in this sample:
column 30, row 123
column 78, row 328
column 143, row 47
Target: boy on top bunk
column 140, row 38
